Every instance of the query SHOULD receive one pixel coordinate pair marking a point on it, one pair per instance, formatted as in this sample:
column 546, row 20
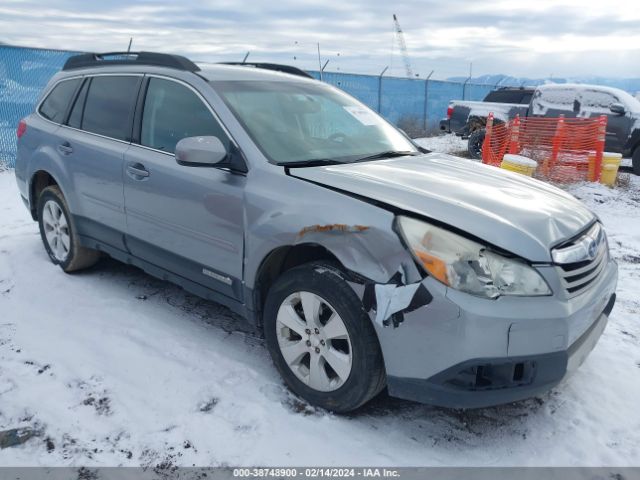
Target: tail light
column 449, row 111
column 22, row 127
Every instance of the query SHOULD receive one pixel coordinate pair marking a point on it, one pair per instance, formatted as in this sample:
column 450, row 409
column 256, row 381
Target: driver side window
column 598, row 101
column 172, row 112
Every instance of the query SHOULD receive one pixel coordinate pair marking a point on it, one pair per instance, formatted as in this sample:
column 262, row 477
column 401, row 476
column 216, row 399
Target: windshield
column 509, row 96
column 309, row 123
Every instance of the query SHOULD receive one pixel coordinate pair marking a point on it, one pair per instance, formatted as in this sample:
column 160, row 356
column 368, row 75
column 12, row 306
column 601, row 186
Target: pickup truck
column 468, row 119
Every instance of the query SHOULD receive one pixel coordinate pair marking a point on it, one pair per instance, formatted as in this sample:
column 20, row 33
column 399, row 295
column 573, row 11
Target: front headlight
column 468, row 266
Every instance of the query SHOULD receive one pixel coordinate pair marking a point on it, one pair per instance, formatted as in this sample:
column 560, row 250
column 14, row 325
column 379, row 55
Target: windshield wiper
column 387, row 154
column 314, row 162
column 319, row 162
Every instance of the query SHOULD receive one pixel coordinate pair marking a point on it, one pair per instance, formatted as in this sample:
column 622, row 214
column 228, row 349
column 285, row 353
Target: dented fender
column 361, row 236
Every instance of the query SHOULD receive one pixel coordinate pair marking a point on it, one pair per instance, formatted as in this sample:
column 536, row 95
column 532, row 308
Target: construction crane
column 403, row 46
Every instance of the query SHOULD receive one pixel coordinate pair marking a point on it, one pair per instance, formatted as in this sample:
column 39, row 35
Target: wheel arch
column 39, row 180
column 282, row 259
column 476, row 122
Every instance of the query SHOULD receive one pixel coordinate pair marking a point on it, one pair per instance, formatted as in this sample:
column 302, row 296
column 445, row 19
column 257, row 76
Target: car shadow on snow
column 146, row 287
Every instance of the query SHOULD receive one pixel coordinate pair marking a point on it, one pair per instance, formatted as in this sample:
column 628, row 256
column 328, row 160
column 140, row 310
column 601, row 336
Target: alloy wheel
column 56, row 230
column 314, row 341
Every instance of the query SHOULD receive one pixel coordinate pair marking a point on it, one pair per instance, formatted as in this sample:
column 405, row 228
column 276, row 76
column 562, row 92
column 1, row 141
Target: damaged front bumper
column 460, row 351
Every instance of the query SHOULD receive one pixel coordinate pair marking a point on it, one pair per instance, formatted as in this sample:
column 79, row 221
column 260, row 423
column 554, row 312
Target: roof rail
column 272, row 66
column 130, row 58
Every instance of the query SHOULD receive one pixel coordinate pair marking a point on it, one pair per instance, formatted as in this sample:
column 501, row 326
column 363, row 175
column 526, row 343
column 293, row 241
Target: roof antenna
column 244, row 60
column 130, row 42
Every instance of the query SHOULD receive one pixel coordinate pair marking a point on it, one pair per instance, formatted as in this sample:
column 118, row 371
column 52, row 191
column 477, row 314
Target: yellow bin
column 519, row 164
column 610, row 164
column 609, row 169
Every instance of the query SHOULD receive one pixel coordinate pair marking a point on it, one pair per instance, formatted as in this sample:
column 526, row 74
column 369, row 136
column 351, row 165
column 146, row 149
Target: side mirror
column 617, row 108
column 200, row 152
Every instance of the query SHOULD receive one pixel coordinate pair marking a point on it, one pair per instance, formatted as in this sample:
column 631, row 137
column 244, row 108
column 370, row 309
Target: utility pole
column 319, row 61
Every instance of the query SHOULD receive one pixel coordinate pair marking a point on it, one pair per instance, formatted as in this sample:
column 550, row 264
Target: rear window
column 55, row 105
column 509, row 96
column 109, row 106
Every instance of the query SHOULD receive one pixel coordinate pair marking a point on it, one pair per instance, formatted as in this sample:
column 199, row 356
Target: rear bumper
column 445, row 125
column 484, row 382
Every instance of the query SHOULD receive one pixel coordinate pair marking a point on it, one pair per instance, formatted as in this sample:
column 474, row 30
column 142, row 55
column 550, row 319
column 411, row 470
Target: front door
column 595, row 102
column 188, row 220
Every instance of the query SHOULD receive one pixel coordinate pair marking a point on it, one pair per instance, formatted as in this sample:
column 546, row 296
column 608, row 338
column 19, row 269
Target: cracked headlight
column 468, row 266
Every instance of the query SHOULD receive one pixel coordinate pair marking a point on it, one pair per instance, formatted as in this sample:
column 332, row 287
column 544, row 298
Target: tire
column 56, row 224
column 476, row 139
column 324, row 283
column 636, row 161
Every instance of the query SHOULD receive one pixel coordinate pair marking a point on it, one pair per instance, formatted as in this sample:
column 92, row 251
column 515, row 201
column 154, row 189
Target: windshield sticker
column 363, row 115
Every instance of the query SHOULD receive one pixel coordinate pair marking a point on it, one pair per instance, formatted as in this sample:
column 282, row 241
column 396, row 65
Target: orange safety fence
column 565, row 149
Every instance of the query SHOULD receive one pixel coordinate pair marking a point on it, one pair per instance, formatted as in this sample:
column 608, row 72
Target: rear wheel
column 476, row 139
column 636, row 161
column 321, row 340
column 59, row 235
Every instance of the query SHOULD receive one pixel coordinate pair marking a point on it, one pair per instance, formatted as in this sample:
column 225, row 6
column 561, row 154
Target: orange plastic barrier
column 566, row 149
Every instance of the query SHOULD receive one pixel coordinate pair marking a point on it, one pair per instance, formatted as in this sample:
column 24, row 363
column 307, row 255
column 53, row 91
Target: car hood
column 516, row 213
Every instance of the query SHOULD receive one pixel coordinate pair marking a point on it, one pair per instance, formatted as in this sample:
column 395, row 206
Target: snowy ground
column 448, row 143
column 113, row 367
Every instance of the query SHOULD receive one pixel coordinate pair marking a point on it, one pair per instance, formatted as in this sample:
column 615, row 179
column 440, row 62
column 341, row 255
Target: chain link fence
column 24, row 72
column 414, row 105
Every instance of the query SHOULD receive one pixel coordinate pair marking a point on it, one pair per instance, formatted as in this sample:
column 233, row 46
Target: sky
column 536, row 38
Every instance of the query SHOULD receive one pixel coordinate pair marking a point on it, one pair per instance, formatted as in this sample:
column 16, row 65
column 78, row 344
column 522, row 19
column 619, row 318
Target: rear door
column 555, row 101
column 97, row 134
column 188, row 220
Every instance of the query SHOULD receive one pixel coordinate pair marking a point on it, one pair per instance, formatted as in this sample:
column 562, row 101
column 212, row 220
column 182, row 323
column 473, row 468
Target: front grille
column 577, row 276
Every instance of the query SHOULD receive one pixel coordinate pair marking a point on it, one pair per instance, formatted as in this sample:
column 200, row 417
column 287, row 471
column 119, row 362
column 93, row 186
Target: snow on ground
column 448, row 143
column 114, row 367
column 451, row 143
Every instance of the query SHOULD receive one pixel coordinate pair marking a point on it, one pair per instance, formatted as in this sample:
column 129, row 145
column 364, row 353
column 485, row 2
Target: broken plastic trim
column 390, row 301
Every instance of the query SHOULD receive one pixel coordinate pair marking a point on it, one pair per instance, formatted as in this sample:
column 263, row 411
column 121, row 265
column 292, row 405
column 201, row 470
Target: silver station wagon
column 368, row 262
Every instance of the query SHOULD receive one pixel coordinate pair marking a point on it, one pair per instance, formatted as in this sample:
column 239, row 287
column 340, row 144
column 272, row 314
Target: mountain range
column 631, row 85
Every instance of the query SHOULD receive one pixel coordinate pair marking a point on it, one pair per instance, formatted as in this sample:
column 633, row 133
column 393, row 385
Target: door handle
column 65, row 148
column 137, row 171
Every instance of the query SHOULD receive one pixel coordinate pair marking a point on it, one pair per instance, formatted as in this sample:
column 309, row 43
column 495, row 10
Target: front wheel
column 59, row 234
column 474, row 147
column 321, row 340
